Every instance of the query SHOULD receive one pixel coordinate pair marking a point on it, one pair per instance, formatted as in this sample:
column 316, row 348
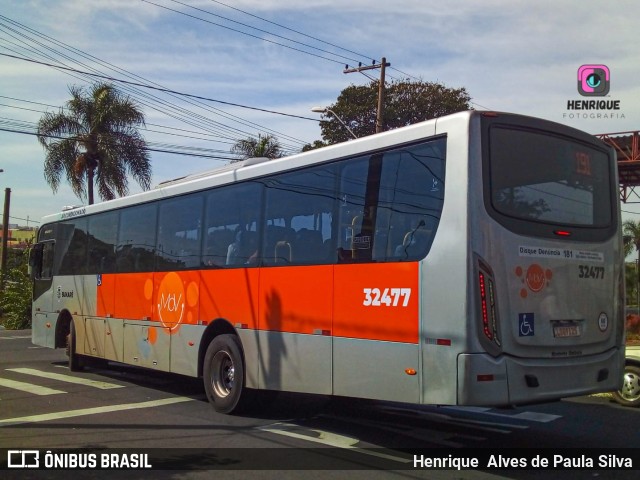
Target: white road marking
column 45, row 417
column 537, row 417
column 489, row 425
column 65, row 378
column 330, row 439
column 435, row 436
column 28, row 387
column 17, row 336
column 530, row 416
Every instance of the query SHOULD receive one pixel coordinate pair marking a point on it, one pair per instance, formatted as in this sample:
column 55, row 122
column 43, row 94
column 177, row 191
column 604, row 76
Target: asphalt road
column 45, row 407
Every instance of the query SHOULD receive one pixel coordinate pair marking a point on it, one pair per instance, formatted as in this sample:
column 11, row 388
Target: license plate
column 566, row 331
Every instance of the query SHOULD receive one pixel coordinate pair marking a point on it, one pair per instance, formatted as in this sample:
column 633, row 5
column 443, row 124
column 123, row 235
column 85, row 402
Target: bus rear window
column 549, row 179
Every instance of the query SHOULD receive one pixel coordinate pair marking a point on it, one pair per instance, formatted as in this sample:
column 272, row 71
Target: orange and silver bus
column 474, row 259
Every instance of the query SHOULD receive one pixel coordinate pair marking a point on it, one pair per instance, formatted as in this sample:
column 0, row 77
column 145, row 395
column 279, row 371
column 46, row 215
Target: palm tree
column 95, row 141
column 631, row 240
column 263, row 146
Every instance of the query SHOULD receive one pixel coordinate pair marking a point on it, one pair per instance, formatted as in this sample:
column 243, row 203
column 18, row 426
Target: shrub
column 633, row 329
column 15, row 301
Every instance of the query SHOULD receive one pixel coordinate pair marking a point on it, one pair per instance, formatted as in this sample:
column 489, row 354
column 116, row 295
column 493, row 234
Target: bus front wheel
column 75, row 362
column 224, row 375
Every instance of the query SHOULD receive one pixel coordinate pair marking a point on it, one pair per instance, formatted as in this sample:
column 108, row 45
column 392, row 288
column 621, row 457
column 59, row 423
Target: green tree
column 631, row 242
column 15, row 298
column 95, row 139
column 631, row 237
column 405, row 102
column 312, row 146
column 263, row 146
column 631, row 282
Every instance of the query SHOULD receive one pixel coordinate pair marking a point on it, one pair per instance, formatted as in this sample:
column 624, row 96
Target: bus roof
column 258, row 167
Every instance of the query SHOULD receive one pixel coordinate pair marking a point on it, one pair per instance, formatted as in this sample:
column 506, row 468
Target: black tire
column 629, row 394
column 223, row 375
column 75, row 361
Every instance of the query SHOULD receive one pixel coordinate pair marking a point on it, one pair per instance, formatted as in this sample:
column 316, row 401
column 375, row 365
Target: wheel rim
column 631, row 387
column 222, row 374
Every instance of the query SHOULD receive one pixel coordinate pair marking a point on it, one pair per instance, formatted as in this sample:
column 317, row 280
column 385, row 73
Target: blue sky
column 510, row 55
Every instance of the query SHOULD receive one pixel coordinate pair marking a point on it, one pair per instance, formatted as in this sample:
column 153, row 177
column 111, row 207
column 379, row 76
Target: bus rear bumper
column 485, row 380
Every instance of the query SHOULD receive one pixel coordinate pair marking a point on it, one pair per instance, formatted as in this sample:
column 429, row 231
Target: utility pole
column 5, row 235
column 382, row 65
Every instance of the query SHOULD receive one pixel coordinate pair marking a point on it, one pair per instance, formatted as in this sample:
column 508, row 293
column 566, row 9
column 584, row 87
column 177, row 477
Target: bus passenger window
column 390, row 206
column 299, row 217
column 72, row 254
column 180, row 225
column 103, row 229
column 230, row 226
column 135, row 250
column 242, row 250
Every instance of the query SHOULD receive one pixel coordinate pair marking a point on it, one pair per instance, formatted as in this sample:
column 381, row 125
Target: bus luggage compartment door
column 147, row 346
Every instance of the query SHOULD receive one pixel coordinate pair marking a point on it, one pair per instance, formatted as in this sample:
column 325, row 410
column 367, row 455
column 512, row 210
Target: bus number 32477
column 389, row 297
column 587, row 271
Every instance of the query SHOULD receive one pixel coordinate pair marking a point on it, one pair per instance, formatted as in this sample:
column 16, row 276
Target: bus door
column 41, row 270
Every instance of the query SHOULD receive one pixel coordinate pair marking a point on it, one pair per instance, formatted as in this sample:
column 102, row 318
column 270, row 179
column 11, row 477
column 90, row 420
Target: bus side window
column 390, row 206
column 73, row 242
column 179, row 233
column 299, row 212
column 103, row 229
column 46, row 270
column 41, row 261
column 135, row 250
column 231, row 226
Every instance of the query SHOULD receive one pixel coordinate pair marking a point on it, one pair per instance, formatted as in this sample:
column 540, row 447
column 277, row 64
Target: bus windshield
column 545, row 178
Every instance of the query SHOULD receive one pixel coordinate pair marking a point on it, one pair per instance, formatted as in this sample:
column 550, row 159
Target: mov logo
column 594, row 80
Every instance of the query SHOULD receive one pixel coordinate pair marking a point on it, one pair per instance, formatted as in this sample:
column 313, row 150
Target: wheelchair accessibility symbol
column 526, row 322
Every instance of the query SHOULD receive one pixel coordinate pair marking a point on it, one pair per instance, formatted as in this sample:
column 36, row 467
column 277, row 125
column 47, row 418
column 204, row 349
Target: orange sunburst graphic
column 535, row 278
column 174, row 302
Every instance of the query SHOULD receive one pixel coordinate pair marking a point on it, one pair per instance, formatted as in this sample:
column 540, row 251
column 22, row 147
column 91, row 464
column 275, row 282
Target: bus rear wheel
column 629, row 394
column 75, row 362
column 223, row 375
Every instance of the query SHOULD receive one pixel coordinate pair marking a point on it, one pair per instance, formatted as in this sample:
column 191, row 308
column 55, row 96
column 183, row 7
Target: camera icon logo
column 594, row 80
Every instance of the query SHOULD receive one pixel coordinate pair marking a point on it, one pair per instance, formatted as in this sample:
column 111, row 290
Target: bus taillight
column 485, row 308
column 488, row 308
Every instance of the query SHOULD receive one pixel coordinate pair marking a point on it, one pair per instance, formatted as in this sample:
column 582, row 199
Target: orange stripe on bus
column 377, row 301
column 296, row 299
column 365, row 301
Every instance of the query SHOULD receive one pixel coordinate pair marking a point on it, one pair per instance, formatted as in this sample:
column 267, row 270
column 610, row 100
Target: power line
column 163, row 150
column 29, row 101
column 244, row 33
column 249, row 26
column 159, row 89
column 270, row 33
column 291, row 29
column 18, row 218
column 33, row 124
column 182, row 111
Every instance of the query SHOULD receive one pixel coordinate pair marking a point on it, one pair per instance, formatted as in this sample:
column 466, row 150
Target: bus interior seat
column 309, row 246
column 282, row 253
